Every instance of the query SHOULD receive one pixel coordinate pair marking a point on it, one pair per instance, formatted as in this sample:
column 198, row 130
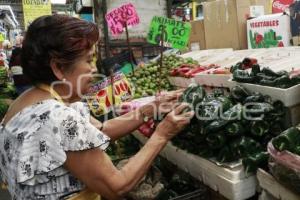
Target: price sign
column 33, row 9
column 176, row 33
column 118, row 18
column 99, row 97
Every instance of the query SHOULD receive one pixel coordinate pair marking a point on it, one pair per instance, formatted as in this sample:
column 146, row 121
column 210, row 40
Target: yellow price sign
column 2, row 37
column 100, row 99
column 33, row 9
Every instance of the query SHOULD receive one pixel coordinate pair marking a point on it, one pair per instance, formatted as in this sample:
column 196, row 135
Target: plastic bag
column 148, row 127
column 285, row 167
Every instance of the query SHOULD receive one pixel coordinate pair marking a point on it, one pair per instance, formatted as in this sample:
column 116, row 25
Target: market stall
column 230, row 179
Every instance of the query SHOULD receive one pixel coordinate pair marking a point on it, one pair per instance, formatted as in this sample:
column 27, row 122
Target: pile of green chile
column 289, row 140
column 146, row 79
column 264, row 76
column 231, row 127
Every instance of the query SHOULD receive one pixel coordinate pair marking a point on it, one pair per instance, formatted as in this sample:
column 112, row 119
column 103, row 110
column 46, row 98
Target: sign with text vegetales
column 175, row 33
column 119, row 17
column 33, row 9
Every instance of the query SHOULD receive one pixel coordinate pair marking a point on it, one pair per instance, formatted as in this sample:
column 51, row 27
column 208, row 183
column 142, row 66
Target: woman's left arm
column 127, row 123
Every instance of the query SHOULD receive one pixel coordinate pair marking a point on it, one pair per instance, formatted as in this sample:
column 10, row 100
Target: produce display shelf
column 181, row 81
column 232, row 183
column 268, row 183
column 213, row 80
column 204, row 55
column 289, row 97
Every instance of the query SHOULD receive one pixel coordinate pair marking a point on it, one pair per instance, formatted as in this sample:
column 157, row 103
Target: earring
column 64, row 80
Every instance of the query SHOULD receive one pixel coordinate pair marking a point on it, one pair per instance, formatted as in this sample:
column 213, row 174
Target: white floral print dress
column 33, row 147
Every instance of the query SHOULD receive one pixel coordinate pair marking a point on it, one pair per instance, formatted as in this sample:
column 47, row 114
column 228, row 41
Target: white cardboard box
column 269, row 31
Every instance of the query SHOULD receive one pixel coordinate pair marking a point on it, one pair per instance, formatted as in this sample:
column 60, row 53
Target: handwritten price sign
column 118, row 18
column 176, row 33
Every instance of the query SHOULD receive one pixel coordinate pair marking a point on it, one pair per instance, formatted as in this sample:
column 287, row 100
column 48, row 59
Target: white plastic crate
column 214, row 80
column 231, row 183
column 289, row 97
column 181, row 82
column 268, row 183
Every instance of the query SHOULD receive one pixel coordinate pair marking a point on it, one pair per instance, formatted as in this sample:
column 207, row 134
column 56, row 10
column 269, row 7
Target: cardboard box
column 243, row 12
column 256, row 11
column 296, row 41
column 220, row 23
column 197, row 37
column 269, row 31
column 225, row 22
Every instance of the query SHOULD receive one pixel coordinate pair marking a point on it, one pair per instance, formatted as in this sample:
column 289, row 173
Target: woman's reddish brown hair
column 57, row 38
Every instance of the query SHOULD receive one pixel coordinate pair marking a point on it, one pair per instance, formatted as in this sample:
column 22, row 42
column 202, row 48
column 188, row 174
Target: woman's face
column 80, row 75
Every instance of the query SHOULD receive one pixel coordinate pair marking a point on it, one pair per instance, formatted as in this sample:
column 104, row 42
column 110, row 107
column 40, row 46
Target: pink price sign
column 117, row 18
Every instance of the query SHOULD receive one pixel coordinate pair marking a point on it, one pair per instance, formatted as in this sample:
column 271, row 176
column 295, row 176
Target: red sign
column 119, row 17
column 279, row 6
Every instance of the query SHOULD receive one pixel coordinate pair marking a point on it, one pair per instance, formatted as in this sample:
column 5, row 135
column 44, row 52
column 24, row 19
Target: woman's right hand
column 174, row 122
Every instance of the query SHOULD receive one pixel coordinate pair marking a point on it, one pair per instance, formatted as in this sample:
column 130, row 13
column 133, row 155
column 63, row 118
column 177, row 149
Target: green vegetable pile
column 231, row 127
column 3, row 76
column 8, row 91
column 146, row 79
column 282, row 167
column 288, row 140
column 265, row 76
column 3, row 108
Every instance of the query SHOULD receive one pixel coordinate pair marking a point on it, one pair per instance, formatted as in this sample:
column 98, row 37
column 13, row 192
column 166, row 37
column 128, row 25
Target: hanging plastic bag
column 148, row 127
column 285, row 167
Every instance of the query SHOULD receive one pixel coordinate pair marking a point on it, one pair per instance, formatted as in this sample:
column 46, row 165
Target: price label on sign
column 119, row 17
column 176, row 33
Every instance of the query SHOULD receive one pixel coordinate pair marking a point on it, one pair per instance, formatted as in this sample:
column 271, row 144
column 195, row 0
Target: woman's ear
column 57, row 70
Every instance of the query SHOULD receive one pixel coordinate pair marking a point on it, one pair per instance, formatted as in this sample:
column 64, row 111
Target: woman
column 49, row 144
column 20, row 80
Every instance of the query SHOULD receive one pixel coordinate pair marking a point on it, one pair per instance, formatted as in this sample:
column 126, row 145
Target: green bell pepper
column 259, row 128
column 216, row 140
column 255, row 70
column 245, row 146
column 239, row 93
column 267, row 71
column 237, row 66
column 226, row 155
column 288, row 140
column 253, row 162
column 235, row 129
column 255, row 97
column 234, row 113
column 193, row 95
